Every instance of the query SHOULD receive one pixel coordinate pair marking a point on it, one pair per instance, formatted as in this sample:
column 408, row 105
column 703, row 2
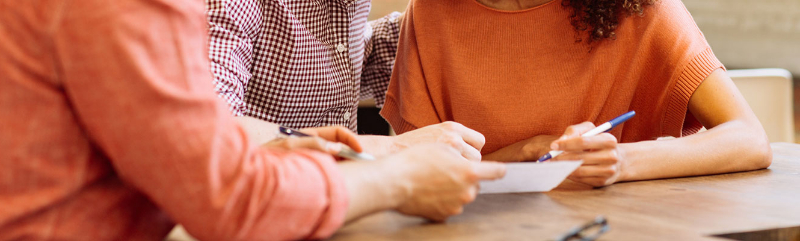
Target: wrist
column 626, row 169
column 399, row 181
column 377, row 145
column 372, row 187
column 392, row 144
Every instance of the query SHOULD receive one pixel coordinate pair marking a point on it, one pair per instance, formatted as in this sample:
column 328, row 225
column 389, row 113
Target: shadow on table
column 777, row 234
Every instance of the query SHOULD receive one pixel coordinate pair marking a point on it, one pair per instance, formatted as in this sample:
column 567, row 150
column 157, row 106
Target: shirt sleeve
column 408, row 101
column 136, row 73
column 380, row 53
column 232, row 26
column 683, row 56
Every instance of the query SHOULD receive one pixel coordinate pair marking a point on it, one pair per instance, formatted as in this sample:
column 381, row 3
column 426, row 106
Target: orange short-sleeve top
column 515, row 75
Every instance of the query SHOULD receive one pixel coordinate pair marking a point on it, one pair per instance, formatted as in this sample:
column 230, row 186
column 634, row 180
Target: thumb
column 577, row 130
column 572, row 131
column 488, row 170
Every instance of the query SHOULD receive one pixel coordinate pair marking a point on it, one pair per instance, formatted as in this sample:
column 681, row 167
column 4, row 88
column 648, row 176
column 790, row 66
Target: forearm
column 259, row 131
column 378, row 145
column 510, row 153
column 371, row 187
column 526, row 150
column 729, row 147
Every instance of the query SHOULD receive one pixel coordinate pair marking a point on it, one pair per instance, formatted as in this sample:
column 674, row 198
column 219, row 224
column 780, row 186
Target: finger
column 469, row 195
column 470, row 136
column 601, row 157
column 470, row 153
column 489, row 170
column 577, row 130
column 456, row 211
column 593, row 181
column 437, row 218
column 580, row 143
column 442, row 214
column 337, row 134
column 347, row 137
column 602, row 171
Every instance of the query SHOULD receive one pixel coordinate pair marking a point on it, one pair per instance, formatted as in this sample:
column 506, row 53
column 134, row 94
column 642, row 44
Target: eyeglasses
column 587, row 232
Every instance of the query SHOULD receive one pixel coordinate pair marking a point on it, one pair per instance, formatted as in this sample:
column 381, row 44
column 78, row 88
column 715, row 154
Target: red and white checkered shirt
column 300, row 63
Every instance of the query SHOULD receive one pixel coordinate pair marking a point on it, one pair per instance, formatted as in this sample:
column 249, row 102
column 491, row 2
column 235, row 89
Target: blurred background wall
column 743, row 33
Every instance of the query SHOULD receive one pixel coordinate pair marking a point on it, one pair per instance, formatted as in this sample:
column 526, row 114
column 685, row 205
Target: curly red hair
column 600, row 17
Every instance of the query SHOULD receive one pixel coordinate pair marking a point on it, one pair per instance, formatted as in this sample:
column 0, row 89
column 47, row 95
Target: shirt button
column 341, row 48
column 347, row 117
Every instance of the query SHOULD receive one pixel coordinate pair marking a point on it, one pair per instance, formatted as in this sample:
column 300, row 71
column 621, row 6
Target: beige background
column 743, row 33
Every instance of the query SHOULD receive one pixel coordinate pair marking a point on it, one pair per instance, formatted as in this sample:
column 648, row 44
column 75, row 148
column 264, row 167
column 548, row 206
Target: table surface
column 692, row 208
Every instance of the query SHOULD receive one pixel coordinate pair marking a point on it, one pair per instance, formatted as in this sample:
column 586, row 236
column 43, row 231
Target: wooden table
column 672, row 209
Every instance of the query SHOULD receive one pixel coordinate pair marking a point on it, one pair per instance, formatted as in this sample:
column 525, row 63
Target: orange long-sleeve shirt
column 512, row 75
column 110, row 130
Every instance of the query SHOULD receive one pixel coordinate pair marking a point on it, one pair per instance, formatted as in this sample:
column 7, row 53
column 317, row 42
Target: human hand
column 329, row 139
column 466, row 141
column 602, row 158
column 526, row 150
column 438, row 181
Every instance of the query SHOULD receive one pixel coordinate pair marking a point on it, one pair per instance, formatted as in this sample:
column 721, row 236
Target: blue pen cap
column 616, row 121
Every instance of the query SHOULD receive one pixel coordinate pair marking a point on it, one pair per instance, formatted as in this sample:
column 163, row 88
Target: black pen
column 346, row 152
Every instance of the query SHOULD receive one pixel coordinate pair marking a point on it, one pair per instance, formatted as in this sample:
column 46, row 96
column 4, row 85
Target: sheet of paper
column 531, row 177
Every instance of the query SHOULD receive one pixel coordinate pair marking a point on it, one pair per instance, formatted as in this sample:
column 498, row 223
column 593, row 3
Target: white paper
column 531, row 177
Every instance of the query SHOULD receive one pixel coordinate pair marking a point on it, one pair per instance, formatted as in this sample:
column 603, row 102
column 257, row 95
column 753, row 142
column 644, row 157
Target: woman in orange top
column 514, row 71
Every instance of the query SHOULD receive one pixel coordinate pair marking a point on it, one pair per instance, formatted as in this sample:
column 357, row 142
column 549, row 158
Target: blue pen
column 597, row 130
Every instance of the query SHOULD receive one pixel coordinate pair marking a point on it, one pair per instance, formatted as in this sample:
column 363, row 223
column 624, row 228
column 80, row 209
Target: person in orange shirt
column 110, row 130
column 523, row 73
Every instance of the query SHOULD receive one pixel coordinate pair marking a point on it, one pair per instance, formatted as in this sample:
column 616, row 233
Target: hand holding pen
column 600, row 152
column 605, row 127
column 335, row 140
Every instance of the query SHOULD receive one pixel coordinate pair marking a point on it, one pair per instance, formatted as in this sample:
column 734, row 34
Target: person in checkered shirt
column 304, row 64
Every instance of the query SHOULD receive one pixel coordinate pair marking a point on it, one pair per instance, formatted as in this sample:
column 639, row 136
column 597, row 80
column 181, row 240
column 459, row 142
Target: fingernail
column 554, row 146
column 333, row 147
column 564, row 137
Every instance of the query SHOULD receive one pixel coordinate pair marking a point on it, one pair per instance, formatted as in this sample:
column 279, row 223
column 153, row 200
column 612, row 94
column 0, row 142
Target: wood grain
column 692, row 208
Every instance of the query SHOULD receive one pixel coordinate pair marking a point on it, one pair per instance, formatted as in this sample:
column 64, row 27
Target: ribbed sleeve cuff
column 677, row 121
column 391, row 113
